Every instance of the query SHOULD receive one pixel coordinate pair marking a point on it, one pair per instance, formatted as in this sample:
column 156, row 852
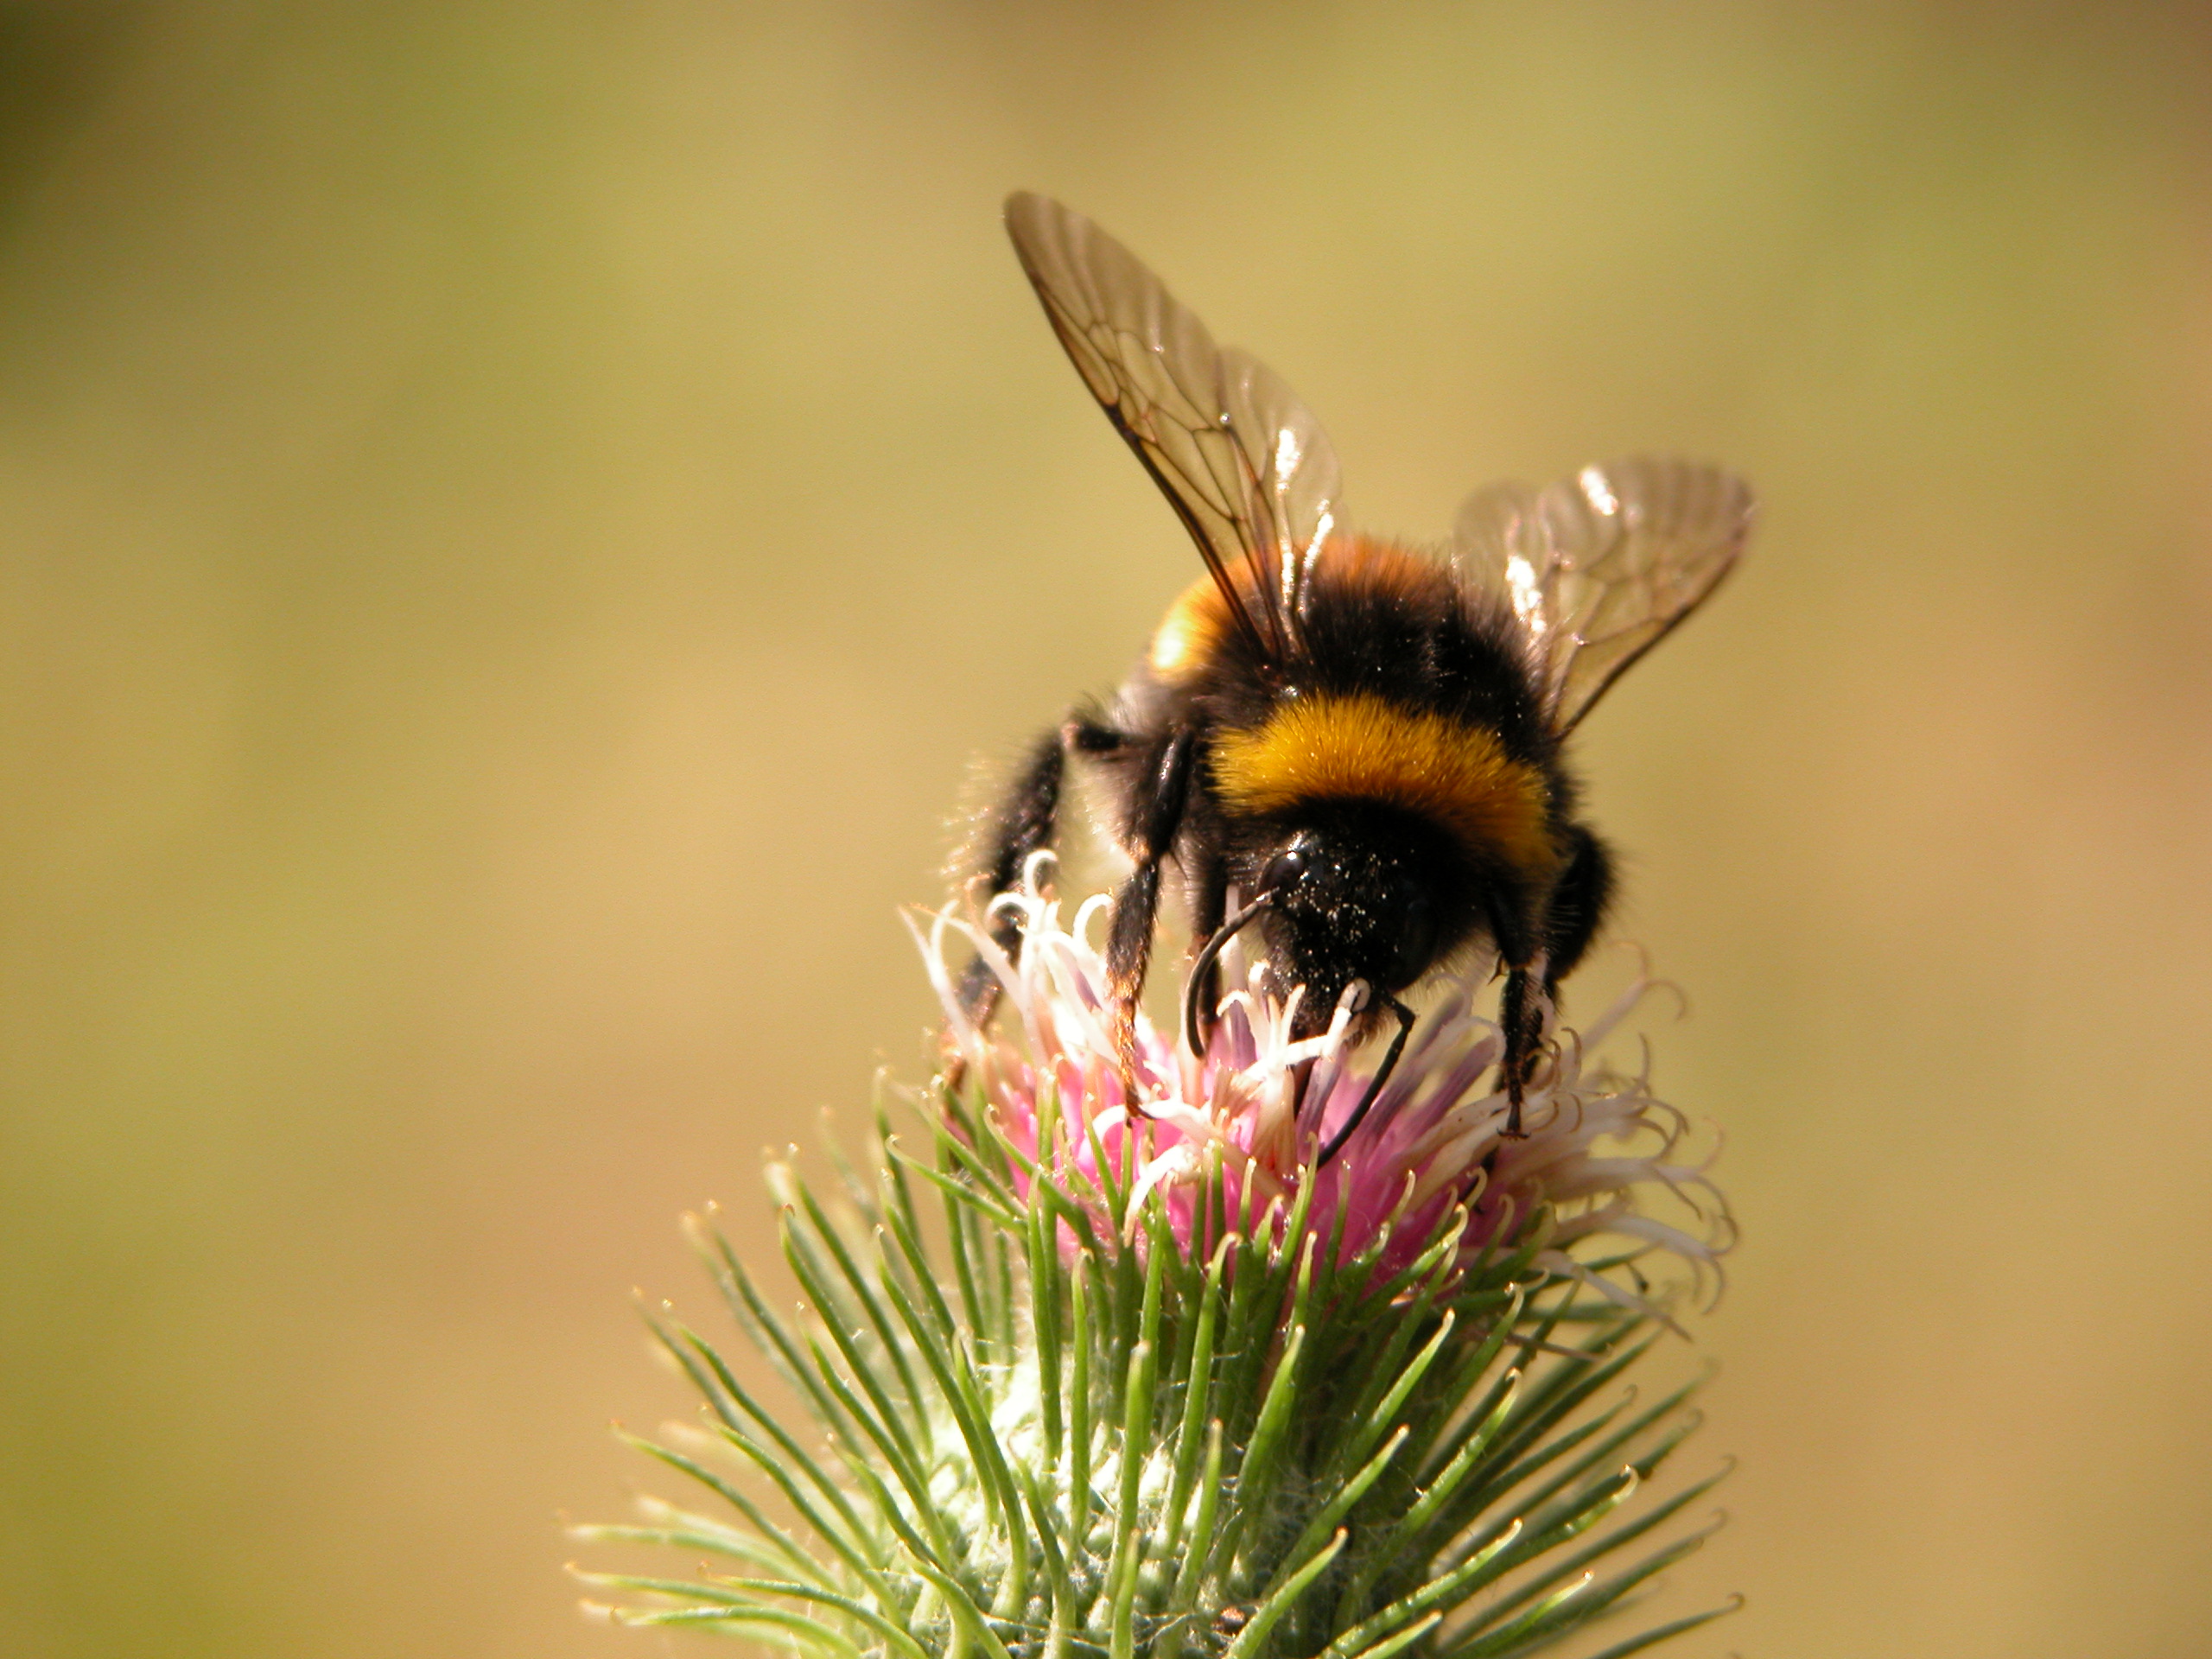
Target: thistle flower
column 1249, row 1117
column 1170, row 1384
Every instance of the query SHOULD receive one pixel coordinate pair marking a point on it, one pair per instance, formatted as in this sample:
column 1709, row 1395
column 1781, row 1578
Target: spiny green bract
column 1090, row 1443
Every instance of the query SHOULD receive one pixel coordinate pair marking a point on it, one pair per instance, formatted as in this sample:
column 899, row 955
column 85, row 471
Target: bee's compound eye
column 1415, row 939
column 1287, row 869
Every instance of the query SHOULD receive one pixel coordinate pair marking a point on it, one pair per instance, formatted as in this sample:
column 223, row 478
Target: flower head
column 1235, row 1138
column 1171, row 1372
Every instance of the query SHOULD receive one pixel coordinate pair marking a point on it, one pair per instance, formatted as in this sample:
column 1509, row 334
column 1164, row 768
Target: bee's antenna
column 1382, row 1076
column 1193, row 1030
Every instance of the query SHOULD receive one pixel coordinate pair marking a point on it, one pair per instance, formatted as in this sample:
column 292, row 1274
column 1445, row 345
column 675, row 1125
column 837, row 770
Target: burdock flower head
column 1205, row 1368
column 1263, row 1126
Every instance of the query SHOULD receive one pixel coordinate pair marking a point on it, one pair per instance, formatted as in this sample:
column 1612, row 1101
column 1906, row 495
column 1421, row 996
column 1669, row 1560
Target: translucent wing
column 1248, row 467
column 1600, row 565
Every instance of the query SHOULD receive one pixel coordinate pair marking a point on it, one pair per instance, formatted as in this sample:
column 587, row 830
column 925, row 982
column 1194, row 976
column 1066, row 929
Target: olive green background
column 515, row 522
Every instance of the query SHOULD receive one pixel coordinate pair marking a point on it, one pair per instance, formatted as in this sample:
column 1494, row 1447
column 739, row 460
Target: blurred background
column 516, row 521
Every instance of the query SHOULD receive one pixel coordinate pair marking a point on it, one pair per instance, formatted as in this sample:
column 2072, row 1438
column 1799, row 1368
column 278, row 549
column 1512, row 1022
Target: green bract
column 1041, row 1427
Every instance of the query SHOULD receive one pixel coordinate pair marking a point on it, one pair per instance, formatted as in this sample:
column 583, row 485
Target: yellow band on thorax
column 1187, row 635
column 1366, row 748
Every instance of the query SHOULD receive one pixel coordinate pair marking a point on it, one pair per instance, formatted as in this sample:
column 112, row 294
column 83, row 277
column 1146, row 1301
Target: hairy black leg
column 1087, row 734
column 1572, row 917
column 1155, row 814
column 1578, row 902
column 1521, row 1012
column 1374, row 1089
column 1022, row 824
column 1520, row 1009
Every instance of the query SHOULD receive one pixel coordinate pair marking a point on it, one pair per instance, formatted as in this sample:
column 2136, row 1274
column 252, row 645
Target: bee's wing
column 1248, row 467
column 1600, row 565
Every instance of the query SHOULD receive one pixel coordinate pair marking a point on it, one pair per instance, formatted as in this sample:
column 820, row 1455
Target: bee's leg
column 1023, row 825
column 1155, row 814
column 1521, row 1014
column 1578, row 902
column 1572, row 917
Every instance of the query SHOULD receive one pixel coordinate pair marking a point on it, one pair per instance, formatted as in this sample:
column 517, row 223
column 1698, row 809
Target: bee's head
column 1360, row 897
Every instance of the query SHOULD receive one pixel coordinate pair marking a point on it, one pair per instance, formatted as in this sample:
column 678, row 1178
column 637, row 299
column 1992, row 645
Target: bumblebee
column 1355, row 747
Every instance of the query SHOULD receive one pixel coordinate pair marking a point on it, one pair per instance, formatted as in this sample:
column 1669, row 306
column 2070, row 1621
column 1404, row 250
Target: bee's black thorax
column 1397, row 625
column 1392, row 785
